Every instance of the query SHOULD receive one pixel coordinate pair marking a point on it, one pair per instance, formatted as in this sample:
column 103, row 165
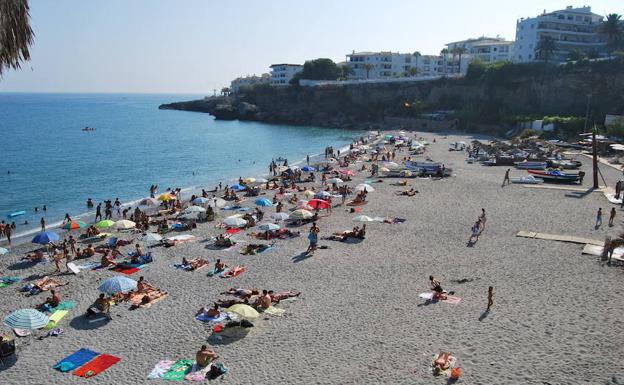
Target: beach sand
column 555, row 320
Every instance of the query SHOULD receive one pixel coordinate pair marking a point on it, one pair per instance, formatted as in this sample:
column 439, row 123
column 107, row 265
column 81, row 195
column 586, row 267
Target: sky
column 196, row 46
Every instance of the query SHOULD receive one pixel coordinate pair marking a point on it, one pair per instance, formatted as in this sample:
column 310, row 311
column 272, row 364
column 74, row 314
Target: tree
column 318, row 69
column 16, row 35
column 410, row 72
column 368, row 67
column 459, row 51
column 613, row 30
column 225, row 91
column 444, row 53
column 346, row 71
column 576, row 55
column 545, row 48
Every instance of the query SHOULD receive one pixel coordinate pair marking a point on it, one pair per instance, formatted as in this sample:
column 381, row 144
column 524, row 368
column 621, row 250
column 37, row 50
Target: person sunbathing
column 101, row 305
column 214, row 312
column 276, row 297
column 46, row 283
column 106, row 262
column 142, row 286
column 222, row 241
column 219, row 266
column 441, row 362
column 88, row 252
column 193, row 264
column 205, row 356
column 37, row 256
column 253, row 249
column 410, row 193
column 234, row 271
column 401, row 183
column 225, row 303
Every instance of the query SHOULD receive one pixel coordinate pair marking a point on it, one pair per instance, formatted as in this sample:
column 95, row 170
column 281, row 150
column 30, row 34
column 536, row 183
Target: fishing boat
column 554, row 175
column 566, row 164
column 428, row 168
column 527, row 179
column 531, row 165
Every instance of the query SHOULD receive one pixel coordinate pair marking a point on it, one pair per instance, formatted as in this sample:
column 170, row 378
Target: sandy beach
column 555, row 320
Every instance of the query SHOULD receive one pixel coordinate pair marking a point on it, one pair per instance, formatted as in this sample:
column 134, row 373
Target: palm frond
column 16, row 35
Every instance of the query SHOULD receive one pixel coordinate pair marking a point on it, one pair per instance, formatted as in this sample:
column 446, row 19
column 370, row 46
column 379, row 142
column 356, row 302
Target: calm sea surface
column 45, row 158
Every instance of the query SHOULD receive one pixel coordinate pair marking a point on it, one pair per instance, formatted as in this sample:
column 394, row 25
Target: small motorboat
column 529, row 165
column 555, row 175
column 565, row 164
column 529, row 179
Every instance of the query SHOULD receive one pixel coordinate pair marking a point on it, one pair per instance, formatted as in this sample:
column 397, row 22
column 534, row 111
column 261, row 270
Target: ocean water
column 45, row 158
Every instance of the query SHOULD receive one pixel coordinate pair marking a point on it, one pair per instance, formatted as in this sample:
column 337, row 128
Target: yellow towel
column 274, row 311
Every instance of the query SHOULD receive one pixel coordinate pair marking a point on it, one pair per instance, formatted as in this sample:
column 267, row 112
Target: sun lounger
column 96, row 366
column 55, row 318
column 75, row 360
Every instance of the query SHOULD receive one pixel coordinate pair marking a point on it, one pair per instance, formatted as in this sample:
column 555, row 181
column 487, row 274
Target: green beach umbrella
column 105, row 223
column 74, row 225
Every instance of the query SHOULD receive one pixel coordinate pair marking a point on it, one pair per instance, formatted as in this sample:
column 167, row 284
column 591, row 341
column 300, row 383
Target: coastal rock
column 225, row 112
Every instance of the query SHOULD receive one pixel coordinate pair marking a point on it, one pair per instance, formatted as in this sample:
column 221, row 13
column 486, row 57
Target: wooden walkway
column 560, row 238
column 564, row 188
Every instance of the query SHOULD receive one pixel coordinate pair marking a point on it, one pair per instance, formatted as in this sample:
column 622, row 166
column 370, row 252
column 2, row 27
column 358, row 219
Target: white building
column 387, row 65
column 571, row 29
column 248, row 81
column 282, row 73
column 484, row 49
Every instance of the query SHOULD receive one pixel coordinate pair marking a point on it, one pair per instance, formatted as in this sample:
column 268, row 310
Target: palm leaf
column 16, row 35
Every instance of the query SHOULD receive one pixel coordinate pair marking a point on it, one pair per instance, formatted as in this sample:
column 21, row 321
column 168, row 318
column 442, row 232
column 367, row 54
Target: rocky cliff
column 487, row 96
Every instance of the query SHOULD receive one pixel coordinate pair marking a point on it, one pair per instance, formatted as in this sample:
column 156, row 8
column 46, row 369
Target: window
column 530, row 56
column 532, row 26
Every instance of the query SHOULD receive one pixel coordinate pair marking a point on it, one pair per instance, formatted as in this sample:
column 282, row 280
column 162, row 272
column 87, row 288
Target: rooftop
column 480, row 39
column 285, row 64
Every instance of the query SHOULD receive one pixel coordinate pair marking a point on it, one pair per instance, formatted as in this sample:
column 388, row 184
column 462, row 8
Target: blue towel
column 75, row 360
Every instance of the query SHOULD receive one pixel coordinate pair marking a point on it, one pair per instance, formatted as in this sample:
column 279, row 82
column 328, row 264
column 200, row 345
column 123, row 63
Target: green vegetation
column 613, row 28
column 16, row 36
column 545, row 48
column 318, row 69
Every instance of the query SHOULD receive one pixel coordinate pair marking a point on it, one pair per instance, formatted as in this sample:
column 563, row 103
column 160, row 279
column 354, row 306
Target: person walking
column 599, row 218
column 612, row 217
column 42, row 221
column 490, row 298
column 482, row 219
column 506, row 178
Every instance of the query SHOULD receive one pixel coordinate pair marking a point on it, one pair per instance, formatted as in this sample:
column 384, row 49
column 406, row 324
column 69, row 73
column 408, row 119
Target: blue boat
column 16, row 214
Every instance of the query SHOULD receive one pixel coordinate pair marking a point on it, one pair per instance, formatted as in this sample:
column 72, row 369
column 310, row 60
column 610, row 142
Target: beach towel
column 160, row 369
column 178, row 370
column 215, row 272
column 55, row 318
column 97, row 365
column 223, row 316
column 451, row 300
column 65, row 305
column 9, row 280
column 75, row 360
column 126, row 270
column 198, row 374
column 230, row 273
column 233, row 230
column 88, row 265
column 73, row 268
column 272, row 310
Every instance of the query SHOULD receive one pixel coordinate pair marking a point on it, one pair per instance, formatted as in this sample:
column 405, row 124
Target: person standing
column 490, row 298
column 599, row 218
column 7, row 233
column 308, row 160
column 313, row 237
column 42, row 221
column 482, row 219
column 98, row 212
column 506, row 178
column 612, row 217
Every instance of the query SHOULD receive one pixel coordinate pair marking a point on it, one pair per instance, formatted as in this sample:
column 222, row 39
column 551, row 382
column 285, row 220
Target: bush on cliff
column 318, row 69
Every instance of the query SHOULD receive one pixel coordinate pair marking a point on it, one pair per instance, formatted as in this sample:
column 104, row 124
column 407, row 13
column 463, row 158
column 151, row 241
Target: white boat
column 526, row 180
column 529, row 165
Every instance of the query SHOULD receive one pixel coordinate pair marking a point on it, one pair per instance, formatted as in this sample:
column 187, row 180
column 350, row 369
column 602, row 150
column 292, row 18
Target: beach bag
column 216, row 370
column 455, row 374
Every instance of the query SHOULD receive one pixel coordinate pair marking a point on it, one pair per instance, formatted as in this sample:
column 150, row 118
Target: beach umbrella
column 322, row 194
column 308, row 168
column 3, row 251
column 74, row 225
column 124, row 224
column 217, row 202
column 280, row 216
column 392, row 165
column 301, row 214
column 363, row 218
column 45, row 237
column 234, row 221
column 364, row 187
column 150, row 237
column 243, row 310
column 335, row 181
column 318, row 204
column 264, row 202
column 165, row 197
column 26, row 319
column 149, row 202
column 238, row 187
column 249, row 180
column 117, row 284
column 194, row 210
column 384, row 169
column 308, row 193
column 201, row 200
column 388, row 136
column 261, row 180
column 346, row 171
column 269, row 227
column 105, row 223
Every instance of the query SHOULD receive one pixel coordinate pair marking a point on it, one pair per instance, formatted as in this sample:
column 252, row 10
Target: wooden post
column 595, row 157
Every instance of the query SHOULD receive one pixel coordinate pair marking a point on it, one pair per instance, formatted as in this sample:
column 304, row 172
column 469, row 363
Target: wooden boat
column 554, row 175
column 531, row 165
column 529, row 179
column 566, row 164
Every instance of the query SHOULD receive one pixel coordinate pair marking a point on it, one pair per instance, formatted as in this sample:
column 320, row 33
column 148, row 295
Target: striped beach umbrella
column 280, row 216
column 308, row 193
column 124, row 224
column 301, row 214
column 74, row 225
column 363, row 218
column 105, row 223
column 364, row 187
column 235, row 221
column 117, row 284
column 201, row 200
column 45, row 237
column 269, row 227
column 26, row 319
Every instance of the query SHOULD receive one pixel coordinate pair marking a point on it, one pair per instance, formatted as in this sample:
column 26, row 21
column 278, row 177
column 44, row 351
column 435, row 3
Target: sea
column 47, row 159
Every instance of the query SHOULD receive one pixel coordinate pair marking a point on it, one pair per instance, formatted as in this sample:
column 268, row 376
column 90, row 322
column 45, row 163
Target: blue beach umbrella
column 201, row 200
column 117, row 284
column 45, row 237
column 238, row 187
column 26, row 319
column 308, row 168
column 264, row 202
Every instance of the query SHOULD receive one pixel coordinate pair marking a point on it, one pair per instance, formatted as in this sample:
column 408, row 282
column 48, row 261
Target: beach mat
column 55, row 318
column 160, row 369
column 216, row 272
column 75, row 360
column 272, row 310
column 126, row 270
column 178, row 370
column 223, row 316
column 97, row 365
column 450, row 299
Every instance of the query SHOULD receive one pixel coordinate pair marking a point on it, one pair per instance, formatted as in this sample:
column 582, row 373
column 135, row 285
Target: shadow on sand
column 484, row 315
column 81, row 322
column 302, row 257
